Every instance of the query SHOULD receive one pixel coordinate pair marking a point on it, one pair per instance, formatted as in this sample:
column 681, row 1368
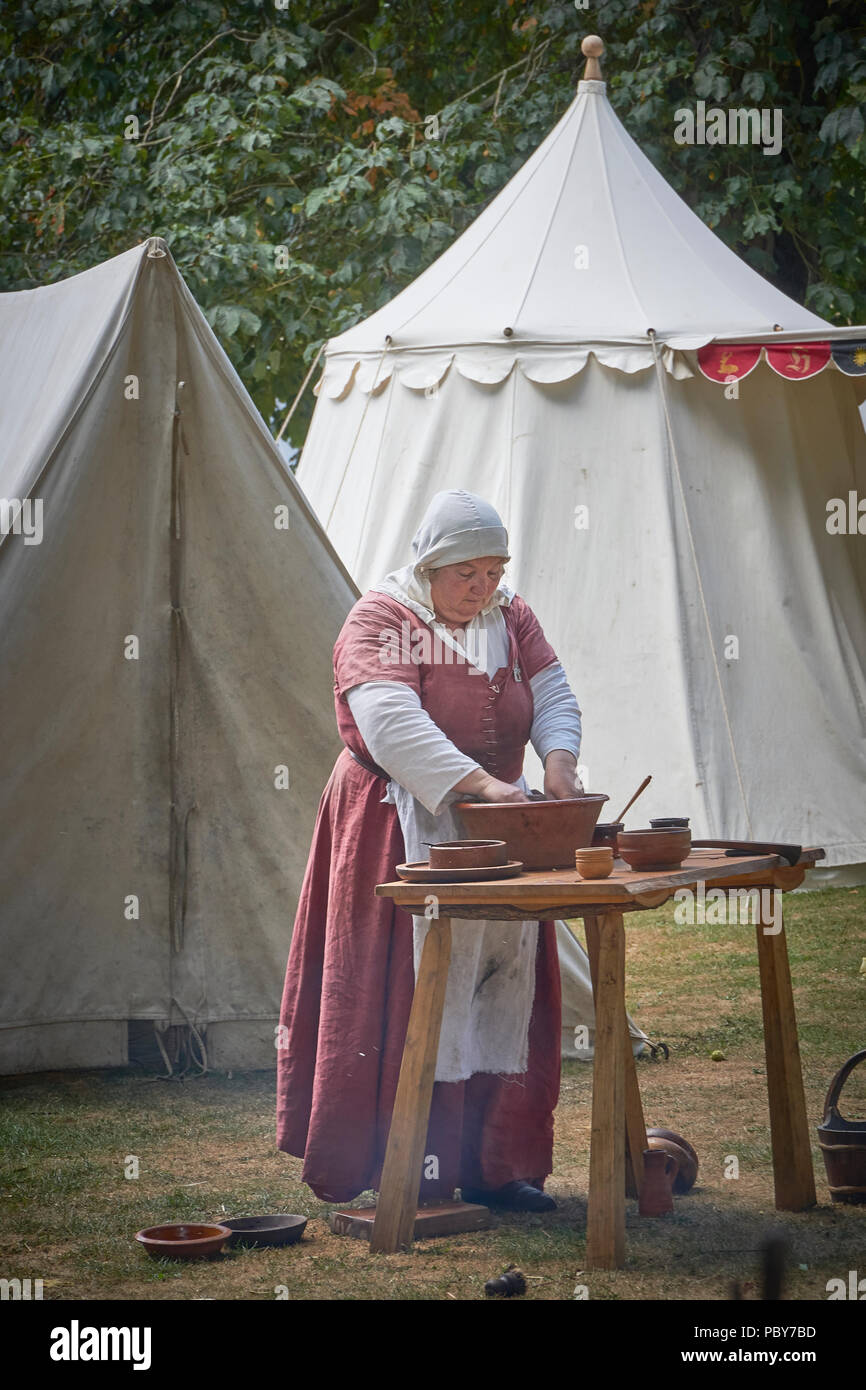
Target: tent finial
column 592, row 48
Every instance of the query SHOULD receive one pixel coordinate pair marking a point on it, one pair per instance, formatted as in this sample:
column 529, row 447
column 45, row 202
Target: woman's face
column 461, row 591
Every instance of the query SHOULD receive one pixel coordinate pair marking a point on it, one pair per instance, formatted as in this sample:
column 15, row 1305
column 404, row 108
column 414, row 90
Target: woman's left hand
column 560, row 776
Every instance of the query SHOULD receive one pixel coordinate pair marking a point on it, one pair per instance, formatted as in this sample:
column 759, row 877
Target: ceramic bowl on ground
column 280, row 1228
column 594, row 863
column 468, row 854
column 541, row 834
column 670, row 823
column 606, row 833
column 660, row 1133
column 183, row 1240
column 687, row 1159
column 653, row 849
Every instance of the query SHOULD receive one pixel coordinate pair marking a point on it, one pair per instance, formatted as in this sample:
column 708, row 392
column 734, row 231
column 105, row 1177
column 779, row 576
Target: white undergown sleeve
column 556, row 718
column 405, row 742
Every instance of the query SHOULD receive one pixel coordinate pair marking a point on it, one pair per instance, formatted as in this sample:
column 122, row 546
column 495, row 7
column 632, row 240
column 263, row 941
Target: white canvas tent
column 670, row 533
column 165, row 648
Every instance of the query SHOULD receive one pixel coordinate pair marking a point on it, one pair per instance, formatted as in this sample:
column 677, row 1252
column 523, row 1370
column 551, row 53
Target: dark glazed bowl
column 281, row 1228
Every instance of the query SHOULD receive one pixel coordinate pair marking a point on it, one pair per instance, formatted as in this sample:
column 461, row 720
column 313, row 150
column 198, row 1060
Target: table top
column 535, row 894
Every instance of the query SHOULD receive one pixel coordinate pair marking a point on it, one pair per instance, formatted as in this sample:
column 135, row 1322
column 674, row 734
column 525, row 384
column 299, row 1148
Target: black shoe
column 514, row 1196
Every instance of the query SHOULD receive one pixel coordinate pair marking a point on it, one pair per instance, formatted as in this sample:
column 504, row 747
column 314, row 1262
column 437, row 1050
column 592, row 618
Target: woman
column 442, row 676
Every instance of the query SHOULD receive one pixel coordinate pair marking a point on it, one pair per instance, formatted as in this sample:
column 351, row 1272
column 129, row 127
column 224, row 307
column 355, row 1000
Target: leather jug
column 659, row 1171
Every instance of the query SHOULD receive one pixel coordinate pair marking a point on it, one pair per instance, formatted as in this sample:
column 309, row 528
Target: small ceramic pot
column 594, row 863
column 468, row 854
column 606, row 834
column 670, row 823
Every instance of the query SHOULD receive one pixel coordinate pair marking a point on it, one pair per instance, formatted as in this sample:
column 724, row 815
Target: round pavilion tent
column 663, row 432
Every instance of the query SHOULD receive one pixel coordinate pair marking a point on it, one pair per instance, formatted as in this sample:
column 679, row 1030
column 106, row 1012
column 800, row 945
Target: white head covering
column 456, row 526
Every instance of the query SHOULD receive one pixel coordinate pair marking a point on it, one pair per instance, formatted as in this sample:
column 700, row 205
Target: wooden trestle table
column 618, row 1134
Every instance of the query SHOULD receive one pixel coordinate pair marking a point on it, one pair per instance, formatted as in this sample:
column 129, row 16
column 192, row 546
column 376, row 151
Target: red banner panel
column 719, row 361
column 796, row 361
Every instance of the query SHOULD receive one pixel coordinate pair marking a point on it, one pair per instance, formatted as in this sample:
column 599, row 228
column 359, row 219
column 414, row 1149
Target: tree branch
column 223, row 33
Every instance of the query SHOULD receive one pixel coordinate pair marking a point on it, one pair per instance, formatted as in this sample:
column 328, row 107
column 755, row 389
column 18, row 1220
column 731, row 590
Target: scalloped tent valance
column 426, row 370
column 489, row 366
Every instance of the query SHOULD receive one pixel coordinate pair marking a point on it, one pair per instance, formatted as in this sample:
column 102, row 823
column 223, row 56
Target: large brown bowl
column 653, row 849
column 183, row 1240
column 543, row 834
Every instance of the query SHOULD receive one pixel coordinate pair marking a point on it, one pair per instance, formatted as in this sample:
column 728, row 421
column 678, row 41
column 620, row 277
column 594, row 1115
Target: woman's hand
column 480, row 783
column 560, row 775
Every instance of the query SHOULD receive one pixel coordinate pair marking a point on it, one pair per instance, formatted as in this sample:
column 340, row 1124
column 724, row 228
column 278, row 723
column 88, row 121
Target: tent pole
column 704, row 610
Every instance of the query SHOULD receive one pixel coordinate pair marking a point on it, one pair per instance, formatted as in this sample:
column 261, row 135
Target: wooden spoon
column 643, row 786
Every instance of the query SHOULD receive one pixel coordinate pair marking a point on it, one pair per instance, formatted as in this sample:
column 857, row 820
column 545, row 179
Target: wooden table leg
column 635, row 1125
column 792, row 1155
column 605, row 1218
column 397, row 1206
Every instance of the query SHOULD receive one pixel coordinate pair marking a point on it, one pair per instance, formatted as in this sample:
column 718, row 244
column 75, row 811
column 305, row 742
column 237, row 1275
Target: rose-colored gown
column 350, row 973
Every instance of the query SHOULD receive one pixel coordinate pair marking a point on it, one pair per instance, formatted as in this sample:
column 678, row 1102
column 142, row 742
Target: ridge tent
column 586, row 356
column 166, row 650
column 166, row 646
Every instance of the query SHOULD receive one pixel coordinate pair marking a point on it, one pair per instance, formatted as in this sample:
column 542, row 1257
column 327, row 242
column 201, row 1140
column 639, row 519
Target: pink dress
column 350, row 974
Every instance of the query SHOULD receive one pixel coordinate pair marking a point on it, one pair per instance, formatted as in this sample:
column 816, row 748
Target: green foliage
column 289, row 158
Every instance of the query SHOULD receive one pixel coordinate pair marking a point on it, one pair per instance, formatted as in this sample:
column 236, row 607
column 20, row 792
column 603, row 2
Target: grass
column 205, row 1149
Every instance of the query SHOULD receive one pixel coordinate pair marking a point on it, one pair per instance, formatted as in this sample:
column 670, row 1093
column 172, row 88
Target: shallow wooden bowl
column 468, row 854
column 653, row 849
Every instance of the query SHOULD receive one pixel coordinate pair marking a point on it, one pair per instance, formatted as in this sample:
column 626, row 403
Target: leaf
column 248, row 321
column 844, row 126
column 225, row 319
column 315, row 200
column 753, row 86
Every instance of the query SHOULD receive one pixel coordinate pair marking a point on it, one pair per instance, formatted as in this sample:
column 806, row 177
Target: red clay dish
column 179, row 1240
